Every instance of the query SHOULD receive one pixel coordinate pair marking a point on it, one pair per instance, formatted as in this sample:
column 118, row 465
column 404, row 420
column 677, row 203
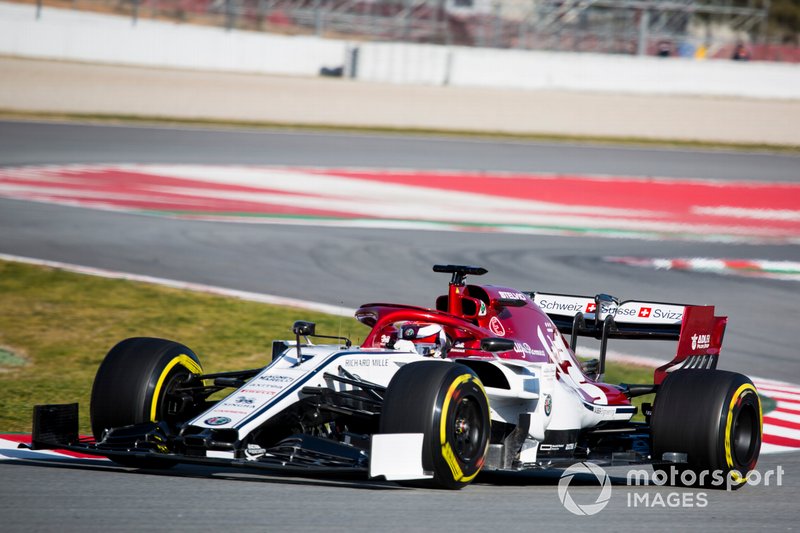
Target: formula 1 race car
column 485, row 381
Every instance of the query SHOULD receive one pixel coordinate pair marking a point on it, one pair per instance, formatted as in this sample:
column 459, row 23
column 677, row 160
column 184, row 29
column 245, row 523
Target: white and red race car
column 485, row 381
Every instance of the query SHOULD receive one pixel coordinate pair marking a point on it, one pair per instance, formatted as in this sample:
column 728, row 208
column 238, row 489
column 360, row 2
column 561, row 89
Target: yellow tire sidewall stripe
column 185, row 361
column 742, row 390
column 447, row 450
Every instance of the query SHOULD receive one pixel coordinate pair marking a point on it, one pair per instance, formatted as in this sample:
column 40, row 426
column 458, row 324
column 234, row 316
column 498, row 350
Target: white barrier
column 93, row 37
column 404, row 63
column 81, row 36
column 518, row 69
column 622, row 74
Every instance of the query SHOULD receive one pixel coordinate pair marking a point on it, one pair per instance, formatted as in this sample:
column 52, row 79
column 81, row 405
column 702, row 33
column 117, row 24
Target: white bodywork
column 554, row 401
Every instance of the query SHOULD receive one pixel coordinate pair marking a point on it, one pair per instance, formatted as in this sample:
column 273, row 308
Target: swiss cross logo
column 644, row 312
column 590, row 307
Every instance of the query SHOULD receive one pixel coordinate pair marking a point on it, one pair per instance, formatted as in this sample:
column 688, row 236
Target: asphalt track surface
column 32, row 143
column 351, row 266
column 65, row 496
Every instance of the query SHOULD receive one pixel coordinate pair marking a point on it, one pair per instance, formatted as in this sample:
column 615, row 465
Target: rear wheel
column 136, row 383
column 712, row 416
column 448, row 405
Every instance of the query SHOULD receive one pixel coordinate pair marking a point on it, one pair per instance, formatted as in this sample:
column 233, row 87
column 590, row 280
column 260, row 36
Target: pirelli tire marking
column 181, row 360
column 453, row 397
column 744, row 391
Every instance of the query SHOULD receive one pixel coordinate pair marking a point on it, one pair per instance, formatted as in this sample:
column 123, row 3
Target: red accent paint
column 673, row 198
column 26, row 439
column 19, row 439
column 78, row 455
column 784, row 400
column 496, row 327
column 661, row 200
column 697, row 320
column 681, row 264
column 786, row 410
column 521, row 323
column 782, row 423
column 109, row 187
column 740, row 267
column 780, row 441
column 741, row 264
column 784, row 390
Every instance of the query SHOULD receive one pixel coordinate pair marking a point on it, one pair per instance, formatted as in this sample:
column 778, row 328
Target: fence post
column 448, row 67
column 318, row 22
column 497, row 11
column 408, row 8
column 229, row 15
column 354, row 62
column 763, row 26
column 261, row 11
column 644, row 25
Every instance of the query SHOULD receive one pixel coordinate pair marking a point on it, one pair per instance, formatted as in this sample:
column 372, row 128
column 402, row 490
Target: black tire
column 446, row 403
column 132, row 387
column 715, row 418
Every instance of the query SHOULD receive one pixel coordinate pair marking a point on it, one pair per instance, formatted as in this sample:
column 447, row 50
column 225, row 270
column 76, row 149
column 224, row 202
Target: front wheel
column 712, row 416
column 136, row 383
column 446, row 403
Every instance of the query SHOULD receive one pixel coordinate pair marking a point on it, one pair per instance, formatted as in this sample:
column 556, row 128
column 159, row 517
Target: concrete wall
column 70, row 35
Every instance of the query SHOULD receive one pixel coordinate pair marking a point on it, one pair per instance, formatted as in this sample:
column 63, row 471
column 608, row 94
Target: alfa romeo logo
column 586, row 509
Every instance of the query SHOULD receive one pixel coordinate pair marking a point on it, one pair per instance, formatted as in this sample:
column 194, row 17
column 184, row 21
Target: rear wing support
column 699, row 333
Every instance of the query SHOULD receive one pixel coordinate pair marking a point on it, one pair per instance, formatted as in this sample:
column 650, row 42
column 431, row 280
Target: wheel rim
column 467, row 429
column 172, row 403
column 745, row 429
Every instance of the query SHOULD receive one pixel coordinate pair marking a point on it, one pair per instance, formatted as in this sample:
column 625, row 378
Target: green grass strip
column 66, row 323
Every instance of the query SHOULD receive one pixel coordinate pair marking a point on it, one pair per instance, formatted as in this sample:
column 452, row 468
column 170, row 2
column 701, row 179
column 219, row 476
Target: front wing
column 394, row 457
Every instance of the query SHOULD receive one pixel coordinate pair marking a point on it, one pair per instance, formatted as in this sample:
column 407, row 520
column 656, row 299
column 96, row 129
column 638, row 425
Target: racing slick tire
column 715, row 418
column 133, row 385
column 446, row 403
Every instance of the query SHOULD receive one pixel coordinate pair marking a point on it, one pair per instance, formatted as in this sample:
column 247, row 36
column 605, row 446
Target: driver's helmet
column 428, row 339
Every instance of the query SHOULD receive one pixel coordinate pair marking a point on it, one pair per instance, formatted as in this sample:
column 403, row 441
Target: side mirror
column 303, row 328
column 497, row 344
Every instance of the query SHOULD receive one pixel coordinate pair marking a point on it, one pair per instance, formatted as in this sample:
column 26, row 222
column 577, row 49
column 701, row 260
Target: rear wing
column 699, row 333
